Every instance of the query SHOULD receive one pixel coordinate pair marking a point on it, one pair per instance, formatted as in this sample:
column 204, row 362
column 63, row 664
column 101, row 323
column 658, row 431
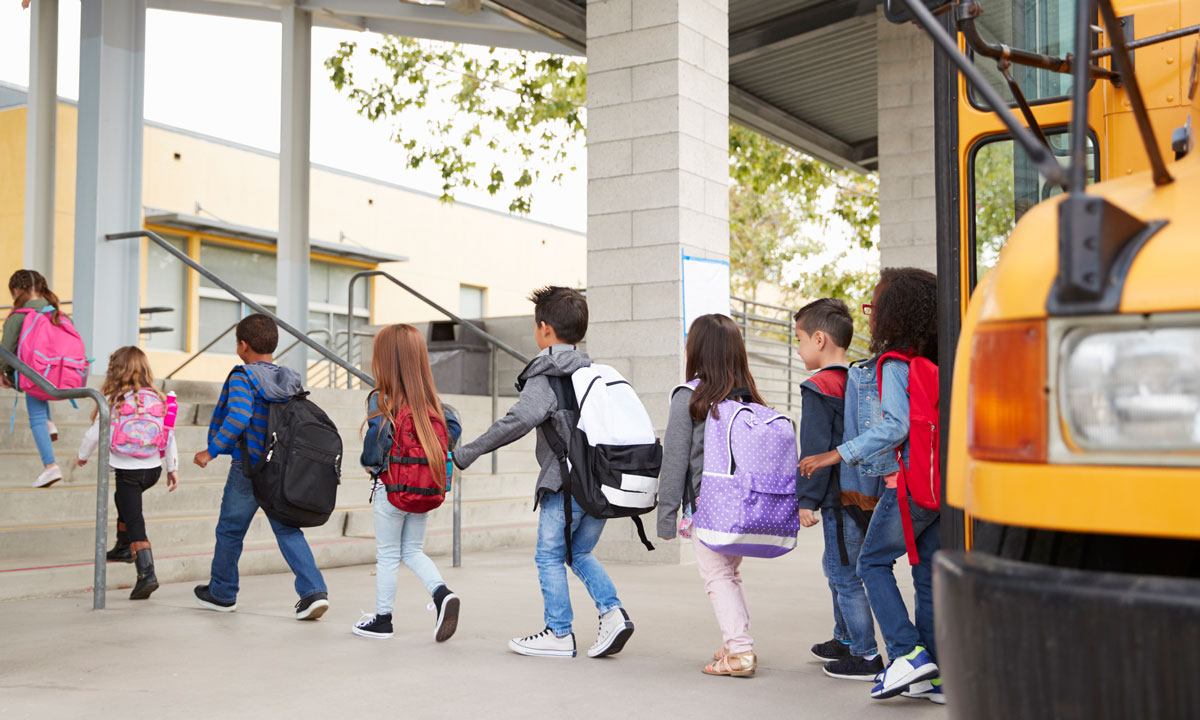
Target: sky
column 230, row 88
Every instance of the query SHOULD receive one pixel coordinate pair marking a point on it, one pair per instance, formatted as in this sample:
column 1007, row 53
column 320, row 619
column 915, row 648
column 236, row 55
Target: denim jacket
column 377, row 443
column 873, row 430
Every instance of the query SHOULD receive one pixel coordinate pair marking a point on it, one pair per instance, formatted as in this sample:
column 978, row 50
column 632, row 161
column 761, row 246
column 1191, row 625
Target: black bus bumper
column 1021, row 641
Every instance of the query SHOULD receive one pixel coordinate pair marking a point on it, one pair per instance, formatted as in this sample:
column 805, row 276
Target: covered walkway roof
column 800, row 71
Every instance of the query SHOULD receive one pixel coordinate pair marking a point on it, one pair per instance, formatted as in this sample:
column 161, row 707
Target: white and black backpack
column 611, row 464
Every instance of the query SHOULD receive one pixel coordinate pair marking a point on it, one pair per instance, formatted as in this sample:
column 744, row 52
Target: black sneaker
column 205, row 599
column 855, row 668
column 374, row 626
column 831, row 650
column 313, row 606
column 446, row 604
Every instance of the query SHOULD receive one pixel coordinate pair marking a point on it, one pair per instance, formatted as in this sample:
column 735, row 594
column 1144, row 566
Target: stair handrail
column 497, row 342
column 100, row 577
column 216, row 280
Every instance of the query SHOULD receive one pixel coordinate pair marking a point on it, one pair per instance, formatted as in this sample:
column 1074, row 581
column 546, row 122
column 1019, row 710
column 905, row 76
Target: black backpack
column 296, row 479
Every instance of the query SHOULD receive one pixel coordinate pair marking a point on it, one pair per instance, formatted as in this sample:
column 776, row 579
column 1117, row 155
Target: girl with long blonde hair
column 406, row 451
column 141, row 439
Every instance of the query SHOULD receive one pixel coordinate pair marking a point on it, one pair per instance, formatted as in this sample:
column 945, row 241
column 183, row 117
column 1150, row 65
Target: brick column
column 907, row 228
column 658, row 185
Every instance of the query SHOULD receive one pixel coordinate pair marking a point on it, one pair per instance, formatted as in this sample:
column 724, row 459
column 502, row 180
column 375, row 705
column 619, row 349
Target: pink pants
column 723, row 583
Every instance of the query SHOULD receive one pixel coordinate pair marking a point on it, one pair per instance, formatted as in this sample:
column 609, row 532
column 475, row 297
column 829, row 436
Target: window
column 167, row 286
column 1004, row 185
column 1042, row 26
column 472, row 301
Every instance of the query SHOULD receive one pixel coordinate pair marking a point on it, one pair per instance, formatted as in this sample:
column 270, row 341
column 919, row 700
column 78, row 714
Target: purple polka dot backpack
column 747, row 504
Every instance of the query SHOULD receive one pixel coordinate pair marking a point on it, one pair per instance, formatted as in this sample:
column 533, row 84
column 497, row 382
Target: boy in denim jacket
column 824, row 330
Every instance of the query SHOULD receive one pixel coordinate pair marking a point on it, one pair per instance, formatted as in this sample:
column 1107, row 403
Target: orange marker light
column 1006, row 399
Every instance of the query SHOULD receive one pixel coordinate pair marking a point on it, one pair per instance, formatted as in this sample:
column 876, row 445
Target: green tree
column 529, row 107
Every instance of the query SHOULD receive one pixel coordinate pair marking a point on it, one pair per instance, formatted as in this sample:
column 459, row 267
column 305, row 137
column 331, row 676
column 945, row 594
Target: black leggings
column 128, row 495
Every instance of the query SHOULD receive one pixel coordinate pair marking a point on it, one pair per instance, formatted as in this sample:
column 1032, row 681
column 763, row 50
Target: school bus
column 1069, row 271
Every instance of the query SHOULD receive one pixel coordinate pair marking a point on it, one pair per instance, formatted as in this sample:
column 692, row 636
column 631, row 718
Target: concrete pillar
column 658, row 186
column 108, row 188
column 907, row 207
column 41, row 136
column 292, row 260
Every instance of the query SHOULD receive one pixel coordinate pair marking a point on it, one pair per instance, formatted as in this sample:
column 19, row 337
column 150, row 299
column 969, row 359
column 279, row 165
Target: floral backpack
column 142, row 424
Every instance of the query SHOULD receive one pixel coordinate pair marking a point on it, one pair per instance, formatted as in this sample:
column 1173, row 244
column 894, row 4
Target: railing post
column 457, row 551
column 100, row 572
column 494, row 382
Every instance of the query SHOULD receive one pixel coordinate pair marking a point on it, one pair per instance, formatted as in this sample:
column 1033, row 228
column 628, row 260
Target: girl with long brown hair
column 406, row 451
column 29, row 290
column 141, row 439
column 718, row 369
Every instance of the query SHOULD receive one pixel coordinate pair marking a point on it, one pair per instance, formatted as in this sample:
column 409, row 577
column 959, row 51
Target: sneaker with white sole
column 313, row 606
column 48, row 477
column 854, row 668
column 614, row 632
column 374, row 626
column 446, row 604
column 927, row 690
column 205, row 599
column 904, row 671
column 544, row 644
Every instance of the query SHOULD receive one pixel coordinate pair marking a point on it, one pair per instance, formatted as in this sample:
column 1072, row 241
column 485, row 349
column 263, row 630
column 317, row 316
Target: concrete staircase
column 46, row 535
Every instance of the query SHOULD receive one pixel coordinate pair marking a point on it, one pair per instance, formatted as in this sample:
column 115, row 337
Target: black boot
column 143, row 560
column 120, row 551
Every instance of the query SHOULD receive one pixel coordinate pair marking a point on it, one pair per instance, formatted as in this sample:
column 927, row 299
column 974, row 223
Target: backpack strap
column 560, row 452
column 910, row 541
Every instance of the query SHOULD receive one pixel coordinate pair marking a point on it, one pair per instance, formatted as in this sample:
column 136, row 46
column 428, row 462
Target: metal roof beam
column 758, row 114
column 559, row 16
column 794, row 27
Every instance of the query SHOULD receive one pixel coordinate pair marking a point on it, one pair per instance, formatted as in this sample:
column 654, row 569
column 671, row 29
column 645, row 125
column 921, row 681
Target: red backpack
column 921, row 478
column 408, row 480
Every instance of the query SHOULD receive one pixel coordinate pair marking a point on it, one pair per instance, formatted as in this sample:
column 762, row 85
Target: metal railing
column 100, row 576
column 770, row 336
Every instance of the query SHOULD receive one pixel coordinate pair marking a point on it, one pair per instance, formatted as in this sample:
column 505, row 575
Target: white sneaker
column 53, row 429
column 903, row 672
column 544, row 644
column 927, row 689
column 614, row 632
column 48, row 477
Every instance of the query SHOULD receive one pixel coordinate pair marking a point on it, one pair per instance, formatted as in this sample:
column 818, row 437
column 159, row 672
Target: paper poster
column 705, row 288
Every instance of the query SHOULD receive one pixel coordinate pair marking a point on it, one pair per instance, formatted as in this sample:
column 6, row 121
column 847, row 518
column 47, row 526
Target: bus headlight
column 1131, row 390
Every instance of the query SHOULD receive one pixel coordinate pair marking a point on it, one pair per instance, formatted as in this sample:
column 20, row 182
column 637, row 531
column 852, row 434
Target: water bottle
column 172, row 411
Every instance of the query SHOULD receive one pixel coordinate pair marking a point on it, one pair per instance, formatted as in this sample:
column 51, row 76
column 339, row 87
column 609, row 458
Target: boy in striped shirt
column 241, row 412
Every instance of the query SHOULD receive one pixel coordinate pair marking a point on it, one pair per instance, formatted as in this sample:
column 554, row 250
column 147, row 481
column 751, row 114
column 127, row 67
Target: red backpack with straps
column 921, row 478
column 409, row 482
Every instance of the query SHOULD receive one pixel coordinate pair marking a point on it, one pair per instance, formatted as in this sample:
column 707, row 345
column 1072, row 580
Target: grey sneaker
column 615, row 630
column 544, row 644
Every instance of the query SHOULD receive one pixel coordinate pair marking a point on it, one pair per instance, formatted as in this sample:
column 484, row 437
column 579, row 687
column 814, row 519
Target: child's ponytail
column 25, row 283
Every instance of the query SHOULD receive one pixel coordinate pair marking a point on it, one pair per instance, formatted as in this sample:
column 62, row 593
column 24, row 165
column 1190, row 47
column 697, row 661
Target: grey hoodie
column 274, row 382
column 537, row 402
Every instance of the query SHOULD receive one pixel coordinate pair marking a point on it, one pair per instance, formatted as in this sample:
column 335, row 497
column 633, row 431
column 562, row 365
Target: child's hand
column 80, row 463
column 172, row 480
column 202, row 458
column 808, row 518
column 813, row 463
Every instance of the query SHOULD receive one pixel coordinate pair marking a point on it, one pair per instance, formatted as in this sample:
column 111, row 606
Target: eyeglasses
column 867, row 308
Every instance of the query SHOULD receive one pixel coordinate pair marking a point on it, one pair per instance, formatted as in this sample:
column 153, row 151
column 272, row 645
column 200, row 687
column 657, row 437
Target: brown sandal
column 739, row 665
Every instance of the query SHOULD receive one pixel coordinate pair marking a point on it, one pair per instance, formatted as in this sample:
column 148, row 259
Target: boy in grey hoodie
column 241, row 412
column 560, row 318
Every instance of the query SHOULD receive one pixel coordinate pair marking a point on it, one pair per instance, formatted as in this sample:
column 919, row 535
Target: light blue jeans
column 39, row 415
column 551, row 558
column 852, row 622
column 399, row 537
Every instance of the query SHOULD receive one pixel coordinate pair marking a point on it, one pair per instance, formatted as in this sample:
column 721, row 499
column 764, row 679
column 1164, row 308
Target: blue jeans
column 39, row 415
column 399, row 537
column 852, row 622
column 237, row 510
column 884, row 543
column 551, row 558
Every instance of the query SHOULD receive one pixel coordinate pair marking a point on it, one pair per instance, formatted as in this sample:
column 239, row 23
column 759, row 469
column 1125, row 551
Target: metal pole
column 41, row 137
column 457, row 479
column 293, row 257
column 1077, row 170
column 495, row 388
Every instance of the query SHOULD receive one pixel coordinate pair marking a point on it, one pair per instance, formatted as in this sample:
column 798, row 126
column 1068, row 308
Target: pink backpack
column 54, row 351
column 142, row 424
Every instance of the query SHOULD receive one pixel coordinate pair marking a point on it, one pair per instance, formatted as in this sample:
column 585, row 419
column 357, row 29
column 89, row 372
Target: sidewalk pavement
column 167, row 658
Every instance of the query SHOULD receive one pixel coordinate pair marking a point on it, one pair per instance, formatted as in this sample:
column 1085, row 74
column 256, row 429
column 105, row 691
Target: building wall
column 907, row 229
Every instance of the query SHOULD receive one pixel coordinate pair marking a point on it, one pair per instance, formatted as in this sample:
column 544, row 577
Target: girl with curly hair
column 903, row 317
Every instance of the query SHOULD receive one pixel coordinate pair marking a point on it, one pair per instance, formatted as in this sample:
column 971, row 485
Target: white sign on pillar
column 705, row 288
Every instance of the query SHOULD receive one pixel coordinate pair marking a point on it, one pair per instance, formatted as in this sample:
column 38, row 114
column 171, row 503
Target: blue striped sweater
column 242, row 408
